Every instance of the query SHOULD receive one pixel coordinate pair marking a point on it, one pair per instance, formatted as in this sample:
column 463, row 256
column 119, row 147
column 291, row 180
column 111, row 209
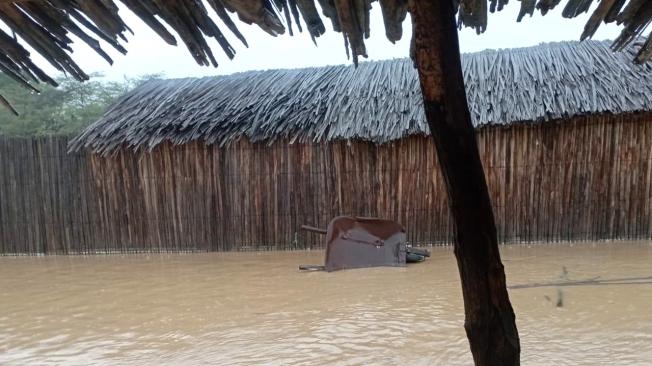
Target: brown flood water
column 257, row 309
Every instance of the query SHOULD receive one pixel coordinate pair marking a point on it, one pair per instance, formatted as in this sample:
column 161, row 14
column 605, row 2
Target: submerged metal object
column 361, row 242
column 357, row 242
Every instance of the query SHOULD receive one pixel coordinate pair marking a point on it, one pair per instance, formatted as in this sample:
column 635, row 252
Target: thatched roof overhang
column 46, row 25
column 378, row 101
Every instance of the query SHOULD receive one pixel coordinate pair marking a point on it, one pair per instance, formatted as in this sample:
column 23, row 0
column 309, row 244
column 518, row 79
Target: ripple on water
column 256, row 309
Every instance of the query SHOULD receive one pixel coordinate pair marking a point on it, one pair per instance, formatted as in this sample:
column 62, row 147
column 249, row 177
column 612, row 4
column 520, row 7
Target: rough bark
column 489, row 318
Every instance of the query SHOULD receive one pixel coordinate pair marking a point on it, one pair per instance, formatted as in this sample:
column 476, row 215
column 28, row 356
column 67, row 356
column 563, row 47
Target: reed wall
column 583, row 179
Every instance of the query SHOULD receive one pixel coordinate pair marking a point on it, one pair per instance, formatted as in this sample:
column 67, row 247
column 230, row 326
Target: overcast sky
column 149, row 54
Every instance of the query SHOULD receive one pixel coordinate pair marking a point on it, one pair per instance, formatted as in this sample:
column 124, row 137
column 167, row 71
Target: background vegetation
column 64, row 110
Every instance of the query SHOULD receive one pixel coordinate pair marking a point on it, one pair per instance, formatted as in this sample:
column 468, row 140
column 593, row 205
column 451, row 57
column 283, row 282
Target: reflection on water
column 257, row 309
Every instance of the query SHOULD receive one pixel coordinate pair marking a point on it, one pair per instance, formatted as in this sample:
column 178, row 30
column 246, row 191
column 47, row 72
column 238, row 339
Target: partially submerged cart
column 358, row 242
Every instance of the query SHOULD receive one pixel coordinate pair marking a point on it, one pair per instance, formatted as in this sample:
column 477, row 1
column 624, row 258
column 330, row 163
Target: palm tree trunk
column 489, row 318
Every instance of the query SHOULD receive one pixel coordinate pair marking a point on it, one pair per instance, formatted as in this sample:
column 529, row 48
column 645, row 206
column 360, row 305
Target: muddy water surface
column 257, row 309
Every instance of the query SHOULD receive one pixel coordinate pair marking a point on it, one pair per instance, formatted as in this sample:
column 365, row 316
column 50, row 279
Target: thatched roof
column 46, row 25
column 378, row 101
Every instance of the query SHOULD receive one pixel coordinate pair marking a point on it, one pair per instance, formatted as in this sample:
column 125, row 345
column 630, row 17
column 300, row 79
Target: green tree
column 64, row 110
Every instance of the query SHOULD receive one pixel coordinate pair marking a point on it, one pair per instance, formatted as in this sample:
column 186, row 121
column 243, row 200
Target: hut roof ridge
column 379, row 101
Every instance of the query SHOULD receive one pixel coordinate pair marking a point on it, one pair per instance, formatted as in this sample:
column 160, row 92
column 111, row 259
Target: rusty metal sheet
column 364, row 242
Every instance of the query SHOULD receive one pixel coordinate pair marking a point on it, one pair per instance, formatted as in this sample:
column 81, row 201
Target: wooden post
column 490, row 322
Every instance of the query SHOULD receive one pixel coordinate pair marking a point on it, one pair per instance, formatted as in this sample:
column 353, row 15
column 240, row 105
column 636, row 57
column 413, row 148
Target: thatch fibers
column 378, row 101
column 47, row 25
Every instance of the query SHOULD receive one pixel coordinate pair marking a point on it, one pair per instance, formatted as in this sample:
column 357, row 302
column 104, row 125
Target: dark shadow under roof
column 379, row 101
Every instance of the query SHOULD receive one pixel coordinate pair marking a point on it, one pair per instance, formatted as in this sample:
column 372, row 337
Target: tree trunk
column 490, row 322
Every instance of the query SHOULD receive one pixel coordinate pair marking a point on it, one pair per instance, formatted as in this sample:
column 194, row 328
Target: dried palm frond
column 46, row 24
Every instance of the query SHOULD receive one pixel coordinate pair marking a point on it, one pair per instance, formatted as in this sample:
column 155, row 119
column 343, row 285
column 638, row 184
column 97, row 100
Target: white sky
column 148, row 54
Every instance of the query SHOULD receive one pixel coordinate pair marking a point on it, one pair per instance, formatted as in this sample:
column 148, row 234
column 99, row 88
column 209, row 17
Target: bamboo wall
column 585, row 179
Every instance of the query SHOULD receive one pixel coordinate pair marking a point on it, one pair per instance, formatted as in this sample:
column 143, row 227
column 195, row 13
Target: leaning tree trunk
column 490, row 322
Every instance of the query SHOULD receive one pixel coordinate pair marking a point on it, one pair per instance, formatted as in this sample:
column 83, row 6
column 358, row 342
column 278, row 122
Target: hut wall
column 585, row 179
